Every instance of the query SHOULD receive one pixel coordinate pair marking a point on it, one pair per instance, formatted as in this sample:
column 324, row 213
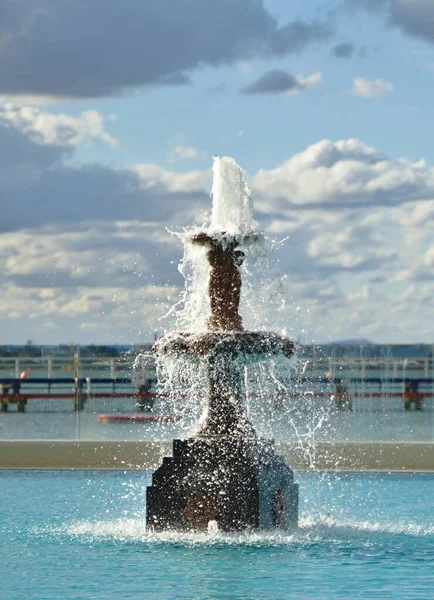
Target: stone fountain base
column 239, row 483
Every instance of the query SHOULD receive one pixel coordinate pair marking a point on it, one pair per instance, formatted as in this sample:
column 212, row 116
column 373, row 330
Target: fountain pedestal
column 224, row 474
column 241, row 484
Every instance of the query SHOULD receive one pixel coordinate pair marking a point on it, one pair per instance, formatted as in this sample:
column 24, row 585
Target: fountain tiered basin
column 253, row 344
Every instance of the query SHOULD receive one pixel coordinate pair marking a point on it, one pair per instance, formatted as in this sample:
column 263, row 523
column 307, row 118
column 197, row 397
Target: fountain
column 223, row 476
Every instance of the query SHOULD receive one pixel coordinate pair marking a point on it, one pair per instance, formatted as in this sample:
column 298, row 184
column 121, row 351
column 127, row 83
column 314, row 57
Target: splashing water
column 183, row 379
column 321, row 528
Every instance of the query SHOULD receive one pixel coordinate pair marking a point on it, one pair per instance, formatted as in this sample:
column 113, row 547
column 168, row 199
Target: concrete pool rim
column 144, row 455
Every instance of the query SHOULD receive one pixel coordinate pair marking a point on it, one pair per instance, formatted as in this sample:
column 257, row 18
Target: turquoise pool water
column 81, row 535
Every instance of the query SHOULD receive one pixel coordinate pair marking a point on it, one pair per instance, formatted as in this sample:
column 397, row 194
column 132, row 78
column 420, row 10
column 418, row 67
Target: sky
column 111, row 111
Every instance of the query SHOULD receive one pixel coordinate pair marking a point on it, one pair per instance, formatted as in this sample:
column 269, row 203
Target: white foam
column 310, row 529
column 328, row 524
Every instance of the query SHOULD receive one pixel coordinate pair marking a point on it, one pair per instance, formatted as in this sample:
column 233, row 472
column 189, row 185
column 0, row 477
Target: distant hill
column 355, row 342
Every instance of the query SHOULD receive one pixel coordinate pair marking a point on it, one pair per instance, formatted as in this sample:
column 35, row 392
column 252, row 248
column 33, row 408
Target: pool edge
column 127, row 455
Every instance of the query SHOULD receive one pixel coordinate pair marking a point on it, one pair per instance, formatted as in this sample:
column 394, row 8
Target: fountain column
column 225, row 415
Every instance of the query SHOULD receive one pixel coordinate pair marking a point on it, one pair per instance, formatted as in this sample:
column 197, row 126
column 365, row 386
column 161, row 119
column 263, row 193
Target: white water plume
column 232, row 207
column 194, row 309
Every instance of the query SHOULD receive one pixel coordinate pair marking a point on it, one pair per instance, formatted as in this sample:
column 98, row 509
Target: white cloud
column 353, row 246
column 344, row 173
column 58, row 130
column 306, row 83
column 98, row 255
column 421, row 214
column 420, row 268
column 78, row 314
column 371, row 88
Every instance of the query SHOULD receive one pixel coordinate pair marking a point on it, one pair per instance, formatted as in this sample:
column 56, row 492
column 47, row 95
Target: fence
column 65, row 398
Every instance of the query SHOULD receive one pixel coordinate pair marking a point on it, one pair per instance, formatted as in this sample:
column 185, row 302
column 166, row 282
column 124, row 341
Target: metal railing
column 80, row 389
column 51, row 366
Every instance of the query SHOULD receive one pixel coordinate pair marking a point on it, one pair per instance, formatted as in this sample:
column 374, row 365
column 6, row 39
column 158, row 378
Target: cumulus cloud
column 371, row 88
column 354, row 247
column 106, row 254
column 277, row 82
column 56, row 130
column 324, row 246
column 347, row 173
column 416, row 240
column 420, row 214
column 64, row 49
column 82, row 315
column 344, row 50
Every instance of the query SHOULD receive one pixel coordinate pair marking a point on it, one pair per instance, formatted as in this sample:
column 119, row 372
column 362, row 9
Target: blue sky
column 110, row 114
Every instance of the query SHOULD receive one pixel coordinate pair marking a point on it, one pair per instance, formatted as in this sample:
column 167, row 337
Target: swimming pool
column 81, row 535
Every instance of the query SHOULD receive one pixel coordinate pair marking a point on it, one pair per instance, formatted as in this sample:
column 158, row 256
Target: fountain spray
column 224, row 474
